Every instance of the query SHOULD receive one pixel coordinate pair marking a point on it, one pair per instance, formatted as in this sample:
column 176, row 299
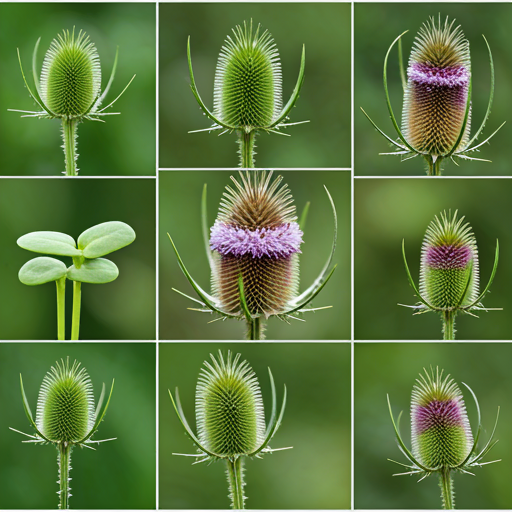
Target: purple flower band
column 275, row 242
column 438, row 414
column 449, row 256
column 425, row 74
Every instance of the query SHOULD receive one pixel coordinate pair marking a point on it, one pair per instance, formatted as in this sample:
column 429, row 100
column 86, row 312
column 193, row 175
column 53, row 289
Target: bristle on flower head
column 71, row 75
column 65, row 407
column 449, row 263
column 229, row 407
column 441, row 433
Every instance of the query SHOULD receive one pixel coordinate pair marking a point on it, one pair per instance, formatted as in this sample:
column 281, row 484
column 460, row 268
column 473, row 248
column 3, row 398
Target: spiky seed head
column 437, row 89
column 65, row 407
column 229, row 407
column 449, row 263
column 256, row 235
column 71, row 75
column 248, row 83
column 441, row 433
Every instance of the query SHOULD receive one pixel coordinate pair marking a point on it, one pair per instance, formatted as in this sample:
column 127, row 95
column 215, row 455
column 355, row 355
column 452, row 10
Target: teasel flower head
column 441, row 435
column 436, row 116
column 253, row 251
column 449, row 275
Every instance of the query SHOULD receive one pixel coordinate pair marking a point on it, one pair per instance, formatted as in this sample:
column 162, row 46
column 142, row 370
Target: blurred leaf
column 97, row 271
column 41, row 270
column 49, row 242
column 105, row 238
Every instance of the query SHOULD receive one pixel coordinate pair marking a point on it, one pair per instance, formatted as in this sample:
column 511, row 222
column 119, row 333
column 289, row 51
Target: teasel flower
column 441, row 435
column 253, row 251
column 65, row 416
column 436, row 116
column 230, row 419
column 70, row 88
column 248, row 89
column 449, row 275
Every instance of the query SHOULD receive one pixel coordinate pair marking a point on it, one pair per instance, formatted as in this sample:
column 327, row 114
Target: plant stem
column 447, row 493
column 434, row 167
column 69, row 137
column 64, row 462
column 247, row 146
column 255, row 329
column 235, row 472
column 77, row 299
column 61, row 308
column 449, row 325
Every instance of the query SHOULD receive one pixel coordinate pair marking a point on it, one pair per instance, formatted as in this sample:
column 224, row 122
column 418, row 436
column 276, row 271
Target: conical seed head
column 71, row 75
column 248, row 83
column 449, row 263
column 436, row 95
column 441, row 433
column 65, row 407
column 229, row 407
column 256, row 236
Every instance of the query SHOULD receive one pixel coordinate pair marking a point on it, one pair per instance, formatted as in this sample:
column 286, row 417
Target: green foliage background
column 315, row 474
column 376, row 25
column 391, row 368
column 123, row 309
column 100, row 479
column 390, row 210
column 324, row 28
column 125, row 144
column 180, row 215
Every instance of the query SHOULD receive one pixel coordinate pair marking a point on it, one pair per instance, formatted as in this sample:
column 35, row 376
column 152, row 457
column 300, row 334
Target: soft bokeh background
column 124, row 144
column 376, row 25
column 389, row 210
column 120, row 474
column 324, row 28
column 315, row 474
column 391, row 368
column 122, row 309
column 180, row 216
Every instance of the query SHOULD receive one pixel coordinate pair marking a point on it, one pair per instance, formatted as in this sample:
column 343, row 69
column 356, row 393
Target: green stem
column 64, row 462
column 69, row 138
column 447, row 493
column 434, row 168
column 235, row 473
column 449, row 325
column 247, row 146
column 77, row 299
column 61, row 308
column 255, row 329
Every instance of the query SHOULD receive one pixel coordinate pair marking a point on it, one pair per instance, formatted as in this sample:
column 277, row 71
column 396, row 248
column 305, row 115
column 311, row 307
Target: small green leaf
column 97, row 271
column 41, row 270
column 49, row 242
column 105, row 238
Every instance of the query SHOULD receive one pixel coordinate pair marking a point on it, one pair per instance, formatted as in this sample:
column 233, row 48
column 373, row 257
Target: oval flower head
column 248, row 89
column 230, row 418
column 253, row 251
column 66, row 416
column 436, row 116
column 449, row 271
column 70, row 88
column 441, row 435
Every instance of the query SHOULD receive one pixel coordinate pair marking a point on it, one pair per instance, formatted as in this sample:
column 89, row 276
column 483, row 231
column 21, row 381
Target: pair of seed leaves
column 88, row 265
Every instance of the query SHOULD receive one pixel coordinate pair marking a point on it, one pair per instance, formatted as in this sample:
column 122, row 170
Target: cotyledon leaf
column 97, row 271
column 49, row 242
column 41, row 270
column 105, row 238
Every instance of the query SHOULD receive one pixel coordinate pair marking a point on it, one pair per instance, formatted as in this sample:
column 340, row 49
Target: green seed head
column 65, row 407
column 71, row 75
column 229, row 407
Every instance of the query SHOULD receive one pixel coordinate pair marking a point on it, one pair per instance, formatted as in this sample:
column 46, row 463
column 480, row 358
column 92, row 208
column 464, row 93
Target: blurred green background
column 324, row 28
column 389, row 210
column 123, row 309
column 180, row 216
column 376, row 25
column 315, row 474
column 391, row 368
column 120, row 474
column 124, row 144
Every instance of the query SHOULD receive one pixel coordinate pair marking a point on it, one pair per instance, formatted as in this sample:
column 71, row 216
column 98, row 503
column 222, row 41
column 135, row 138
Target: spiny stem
column 77, row 298
column 447, row 493
column 61, row 308
column 434, row 167
column 235, row 473
column 255, row 329
column 449, row 325
column 64, row 461
column 69, row 138
column 247, row 146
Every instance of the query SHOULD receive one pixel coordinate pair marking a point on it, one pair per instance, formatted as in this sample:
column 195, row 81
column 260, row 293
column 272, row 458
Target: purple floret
column 449, row 256
column 280, row 241
column 426, row 74
column 438, row 413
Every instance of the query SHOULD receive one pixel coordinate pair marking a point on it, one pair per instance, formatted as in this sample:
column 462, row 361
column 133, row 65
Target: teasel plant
column 230, row 419
column 441, row 436
column 449, row 274
column 253, row 251
column 436, row 114
column 66, row 417
column 247, row 96
column 70, row 88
